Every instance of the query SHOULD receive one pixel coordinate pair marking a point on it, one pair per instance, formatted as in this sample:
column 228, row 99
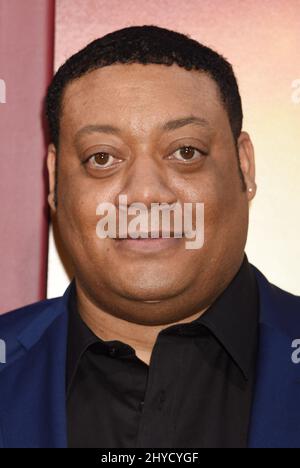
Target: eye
column 188, row 153
column 101, row 160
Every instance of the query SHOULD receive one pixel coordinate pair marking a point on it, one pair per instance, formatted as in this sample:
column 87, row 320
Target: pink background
column 26, row 63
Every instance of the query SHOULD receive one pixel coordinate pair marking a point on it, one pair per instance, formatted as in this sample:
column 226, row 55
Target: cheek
column 227, row 217
column 225, row 204
column 217, row 188
column 76, row 215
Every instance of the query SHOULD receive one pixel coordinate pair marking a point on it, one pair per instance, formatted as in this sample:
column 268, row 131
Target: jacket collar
column 273, row 302
column 31, row 334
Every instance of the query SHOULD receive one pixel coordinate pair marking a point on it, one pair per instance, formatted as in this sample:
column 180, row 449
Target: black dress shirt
column 197, row 391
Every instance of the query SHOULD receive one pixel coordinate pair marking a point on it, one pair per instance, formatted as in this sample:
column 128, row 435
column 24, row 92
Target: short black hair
column 146, row 44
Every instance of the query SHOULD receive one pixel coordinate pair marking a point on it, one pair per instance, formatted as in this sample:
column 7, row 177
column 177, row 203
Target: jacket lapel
column 32, row 390
column 275, row 421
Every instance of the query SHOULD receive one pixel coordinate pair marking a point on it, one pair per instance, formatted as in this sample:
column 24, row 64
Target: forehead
column 140, row 96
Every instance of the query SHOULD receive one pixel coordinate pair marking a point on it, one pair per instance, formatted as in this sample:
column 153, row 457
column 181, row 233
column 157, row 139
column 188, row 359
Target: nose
column 147, row 181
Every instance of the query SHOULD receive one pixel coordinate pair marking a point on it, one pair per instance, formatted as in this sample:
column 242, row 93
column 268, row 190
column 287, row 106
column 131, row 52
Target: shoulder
column 16, row 320
column 288, row 304
column 278, row 292
column 277, row 305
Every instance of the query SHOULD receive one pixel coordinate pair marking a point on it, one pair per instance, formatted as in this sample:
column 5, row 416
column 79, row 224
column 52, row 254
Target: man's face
column 147, row 163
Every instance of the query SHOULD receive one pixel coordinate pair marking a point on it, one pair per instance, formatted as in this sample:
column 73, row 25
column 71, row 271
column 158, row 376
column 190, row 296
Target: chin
column 153, row 290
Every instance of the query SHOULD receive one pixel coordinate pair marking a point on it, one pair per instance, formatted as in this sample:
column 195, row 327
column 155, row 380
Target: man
column 153, row 344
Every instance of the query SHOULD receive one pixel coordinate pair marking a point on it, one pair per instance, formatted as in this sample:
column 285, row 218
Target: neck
column 108, row 327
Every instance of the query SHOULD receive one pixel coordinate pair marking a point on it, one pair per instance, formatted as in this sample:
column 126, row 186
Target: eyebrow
column 182, row 122
column 166, row 127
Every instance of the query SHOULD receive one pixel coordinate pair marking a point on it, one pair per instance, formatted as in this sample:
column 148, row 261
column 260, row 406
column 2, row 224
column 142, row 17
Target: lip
column 148, row 244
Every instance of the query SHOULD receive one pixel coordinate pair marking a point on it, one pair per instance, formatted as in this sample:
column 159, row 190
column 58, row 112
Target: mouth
column 150, row 244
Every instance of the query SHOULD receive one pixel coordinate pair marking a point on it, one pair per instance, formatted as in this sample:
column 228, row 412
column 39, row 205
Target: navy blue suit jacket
column 32, row 381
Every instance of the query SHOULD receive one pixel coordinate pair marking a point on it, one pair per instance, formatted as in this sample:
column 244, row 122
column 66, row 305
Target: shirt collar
column 232, row 319
column 80, row 337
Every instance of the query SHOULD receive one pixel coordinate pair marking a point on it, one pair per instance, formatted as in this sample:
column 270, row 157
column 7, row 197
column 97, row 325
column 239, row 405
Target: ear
column 247, row 163
column 51, row 165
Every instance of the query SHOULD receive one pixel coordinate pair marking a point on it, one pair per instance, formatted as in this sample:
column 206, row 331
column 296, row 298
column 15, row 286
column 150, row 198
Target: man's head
column 154, row 115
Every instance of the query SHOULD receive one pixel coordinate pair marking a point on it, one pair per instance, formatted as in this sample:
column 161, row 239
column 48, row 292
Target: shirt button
column 141, row 405
column 113, row 351
column 162, row 399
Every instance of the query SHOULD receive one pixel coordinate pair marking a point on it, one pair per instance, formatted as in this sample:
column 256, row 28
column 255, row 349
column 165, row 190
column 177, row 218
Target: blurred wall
column 26, row 67
column 262, row 41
